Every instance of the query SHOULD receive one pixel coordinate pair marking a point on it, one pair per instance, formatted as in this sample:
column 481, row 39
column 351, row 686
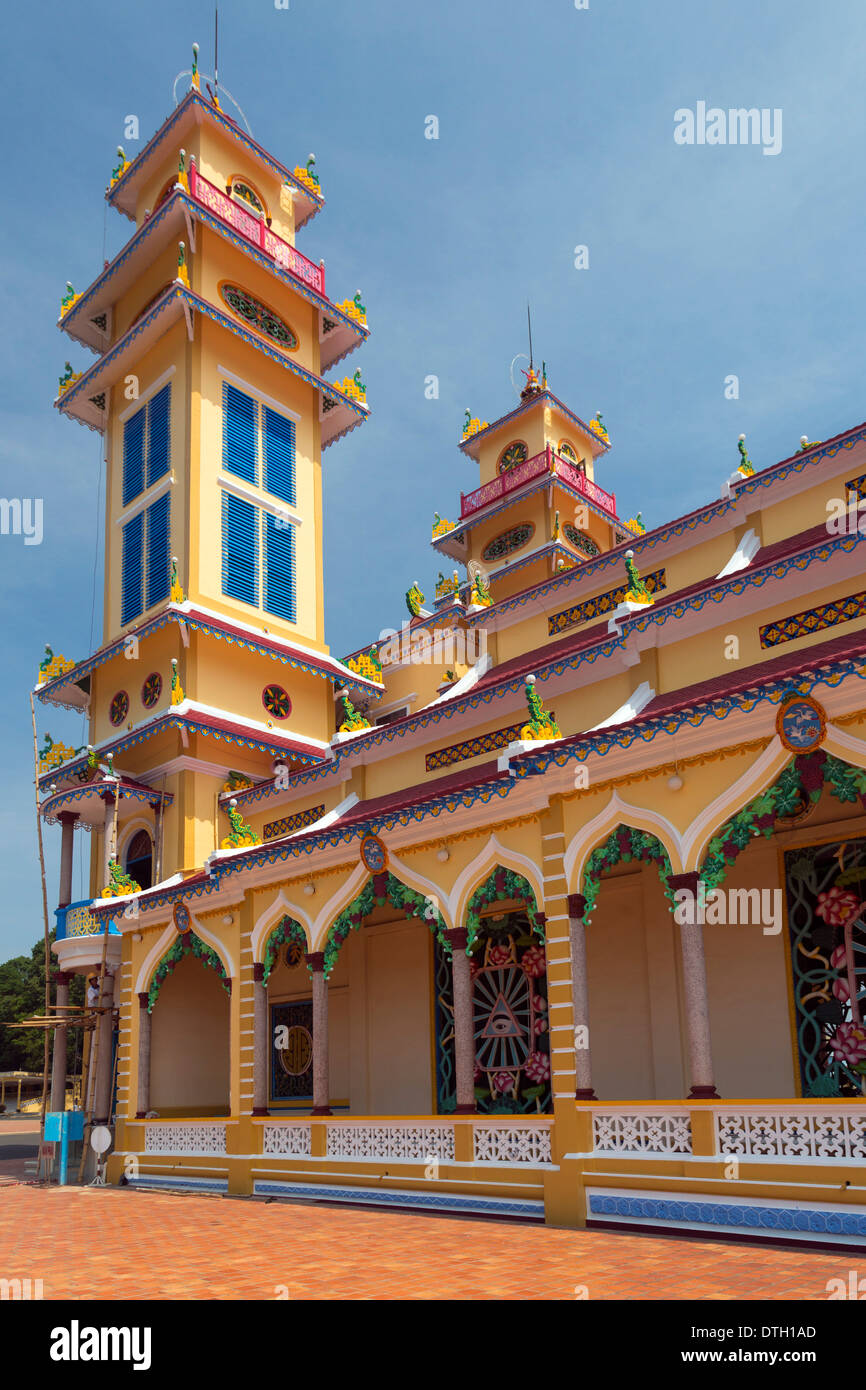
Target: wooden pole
column 44, row 909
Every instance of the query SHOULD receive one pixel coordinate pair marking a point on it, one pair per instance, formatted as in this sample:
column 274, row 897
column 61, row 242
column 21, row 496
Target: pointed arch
column 758, row 778
column 164, row 943
column 188, row 944
column 377, row 890
column 618, row 813
column 493, row 856
column 270, row 918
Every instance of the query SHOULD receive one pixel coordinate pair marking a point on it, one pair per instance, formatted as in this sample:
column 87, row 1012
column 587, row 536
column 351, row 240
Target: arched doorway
column 190, row 1037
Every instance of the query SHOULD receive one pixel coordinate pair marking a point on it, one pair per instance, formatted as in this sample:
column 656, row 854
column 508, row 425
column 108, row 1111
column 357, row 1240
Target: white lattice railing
column 667, row 1132
column 792, row 1133
column 290, row 1139
column 504, row 1143
column 186, row 1137
column 417, row 1143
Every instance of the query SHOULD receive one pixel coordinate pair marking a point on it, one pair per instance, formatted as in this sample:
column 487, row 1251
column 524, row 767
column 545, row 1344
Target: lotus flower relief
column 849, row 1045
column 836, row 905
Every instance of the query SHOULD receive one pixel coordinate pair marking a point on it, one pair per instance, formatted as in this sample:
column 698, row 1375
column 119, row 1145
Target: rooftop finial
column 196, row 81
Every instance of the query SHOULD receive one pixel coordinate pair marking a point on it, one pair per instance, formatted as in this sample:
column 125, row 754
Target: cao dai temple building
column 547, row 905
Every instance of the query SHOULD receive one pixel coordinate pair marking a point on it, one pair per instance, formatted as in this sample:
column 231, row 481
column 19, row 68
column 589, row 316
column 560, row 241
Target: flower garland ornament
column 745, row 466
column 352, row 718
column 637, row 591
column 540, row 725
column 176, row 687
column 119, row 883
column 188, row 944
column 502, row 885
column 242, row 834
column 621, row 847
column 383, row 888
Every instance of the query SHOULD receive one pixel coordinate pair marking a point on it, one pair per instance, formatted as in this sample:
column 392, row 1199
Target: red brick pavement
column 121, row 1244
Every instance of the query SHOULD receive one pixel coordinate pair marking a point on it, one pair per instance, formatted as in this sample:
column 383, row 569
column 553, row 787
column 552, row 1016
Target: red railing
column 256, row 230
column 546, row 462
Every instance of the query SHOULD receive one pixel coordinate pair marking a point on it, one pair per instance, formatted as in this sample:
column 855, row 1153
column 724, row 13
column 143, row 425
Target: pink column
column 464, row 1030
column 580, row 996
column 321, row 1070
column 697, row 1004
column 67, row 820
column 144, row 1021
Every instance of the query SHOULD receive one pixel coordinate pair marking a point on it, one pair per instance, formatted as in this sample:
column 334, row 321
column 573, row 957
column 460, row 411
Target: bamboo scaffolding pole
column 93, row 1059
column 44, row 1105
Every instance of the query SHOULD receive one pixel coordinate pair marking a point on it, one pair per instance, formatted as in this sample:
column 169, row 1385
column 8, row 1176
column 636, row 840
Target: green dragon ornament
column 745, row 465
column 637, row 591
column 119, row 882
column 352, row 718
column 242, row 834
column 541, row 724
column 414, row 600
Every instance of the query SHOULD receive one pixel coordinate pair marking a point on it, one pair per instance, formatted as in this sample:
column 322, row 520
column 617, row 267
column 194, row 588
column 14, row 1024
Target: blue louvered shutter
column 131, row 569
column 158, row 546
column 279, row 568
column 158, row 452
column 240, row 434
column 240, row 549
column 133, row 455
column 279, row 454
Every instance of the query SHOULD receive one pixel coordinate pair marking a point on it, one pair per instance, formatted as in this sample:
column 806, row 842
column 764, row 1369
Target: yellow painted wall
column 190, row 1065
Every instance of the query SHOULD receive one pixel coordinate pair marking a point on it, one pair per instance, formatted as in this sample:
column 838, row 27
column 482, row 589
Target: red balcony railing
column 546, row 462
column 255, row 230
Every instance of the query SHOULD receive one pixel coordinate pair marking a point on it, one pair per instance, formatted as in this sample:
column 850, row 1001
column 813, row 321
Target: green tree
column 22, row 994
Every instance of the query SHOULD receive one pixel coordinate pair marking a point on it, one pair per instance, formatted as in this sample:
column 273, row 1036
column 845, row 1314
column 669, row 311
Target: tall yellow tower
column 212, row 332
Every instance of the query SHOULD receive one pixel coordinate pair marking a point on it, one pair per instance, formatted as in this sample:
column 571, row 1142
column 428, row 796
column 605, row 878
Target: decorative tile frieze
column 274, row 829
column 818, row 619
column 474, row 747
column 602, row 603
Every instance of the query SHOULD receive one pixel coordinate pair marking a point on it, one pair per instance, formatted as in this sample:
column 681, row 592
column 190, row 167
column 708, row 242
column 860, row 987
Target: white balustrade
column 499, row 1143
column 792, row 1133
column 287, row 1139
column 186, row 1137
column 418, row 1143
column 663, row 1132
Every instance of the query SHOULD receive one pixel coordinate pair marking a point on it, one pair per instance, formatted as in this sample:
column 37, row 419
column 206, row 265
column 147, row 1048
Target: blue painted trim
column 391, row 1197
column 190, row 1184
column 741, row 1216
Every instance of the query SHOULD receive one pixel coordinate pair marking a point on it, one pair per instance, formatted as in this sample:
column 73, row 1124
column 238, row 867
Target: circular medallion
column 151, row 690
column 801, row 724
column 119, row 708
column 276, row 701
column 515, row 453
column 374, row 856
column 296, row 1056
column 181, row 917
column 258, row 316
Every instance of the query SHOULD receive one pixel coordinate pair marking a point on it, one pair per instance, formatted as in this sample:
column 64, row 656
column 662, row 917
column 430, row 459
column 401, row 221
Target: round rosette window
column 276, row 701
column 151, row 690
column 119, row 708
column 515, row 454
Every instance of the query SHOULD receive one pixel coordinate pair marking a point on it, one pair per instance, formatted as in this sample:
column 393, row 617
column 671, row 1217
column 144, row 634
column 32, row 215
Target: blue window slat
column 131, row 569
column 158, row 435
column 240, row 434
column 279, row 568
column 158, row 547
column 279, row 454
column 240, row 559
column 133, row 456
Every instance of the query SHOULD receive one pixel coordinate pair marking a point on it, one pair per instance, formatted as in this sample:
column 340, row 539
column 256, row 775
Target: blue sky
column 556, row 130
